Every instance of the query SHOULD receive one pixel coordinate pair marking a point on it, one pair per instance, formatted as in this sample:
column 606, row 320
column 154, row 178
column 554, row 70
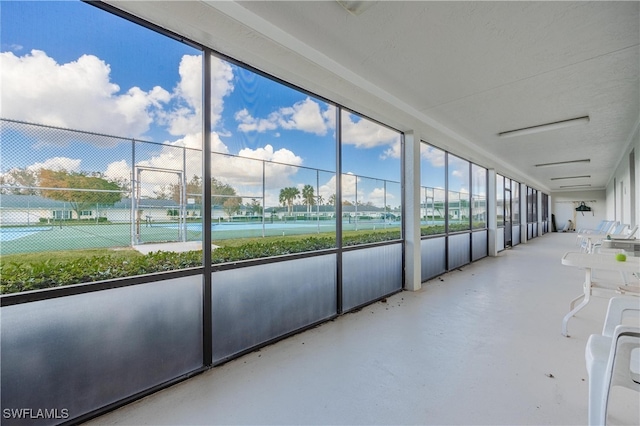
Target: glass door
column 508, row 221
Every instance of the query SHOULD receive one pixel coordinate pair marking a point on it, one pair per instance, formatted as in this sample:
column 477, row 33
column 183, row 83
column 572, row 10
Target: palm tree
column 308, row 195
column 287, row 195
column 332, row 200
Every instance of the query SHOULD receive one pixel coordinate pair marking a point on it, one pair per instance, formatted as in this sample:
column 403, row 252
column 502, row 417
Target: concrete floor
column 479, row 345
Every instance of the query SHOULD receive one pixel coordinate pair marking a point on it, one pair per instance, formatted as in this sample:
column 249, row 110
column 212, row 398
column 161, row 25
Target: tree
column 223, row 190
column 172, row 191
column 287, row 196
column 332, row 200
column 164, row 192
column 220, row 192
column 255, row 207
column 308, row 195
column 107, row 191
column 231, row 206
column 22, row 181
column 194, row 190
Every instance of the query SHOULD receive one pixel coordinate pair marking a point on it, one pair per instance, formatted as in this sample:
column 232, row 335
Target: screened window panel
column 432, row 189
column 109, row 167
column 458, row 186
column 371, row 190
column 479, row 197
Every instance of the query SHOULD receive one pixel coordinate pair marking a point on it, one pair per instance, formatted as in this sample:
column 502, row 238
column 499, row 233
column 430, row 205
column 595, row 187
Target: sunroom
column 307, row 172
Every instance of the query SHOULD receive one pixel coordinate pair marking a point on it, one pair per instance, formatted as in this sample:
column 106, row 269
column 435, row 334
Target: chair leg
column 598, row 397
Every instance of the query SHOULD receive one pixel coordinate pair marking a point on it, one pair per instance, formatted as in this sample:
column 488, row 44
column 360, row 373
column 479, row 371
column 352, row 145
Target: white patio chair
column 591, row 240
column 631, row 233
column 598, row 228
column 603, row 227
column 613, row 358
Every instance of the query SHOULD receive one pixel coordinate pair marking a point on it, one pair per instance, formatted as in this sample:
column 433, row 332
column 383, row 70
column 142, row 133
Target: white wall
column 23, row 216
column 564, row 204
column 621, row 208
column 610, row 203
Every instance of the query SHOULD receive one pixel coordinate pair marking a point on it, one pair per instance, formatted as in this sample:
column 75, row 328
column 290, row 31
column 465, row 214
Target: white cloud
column 76, row 95
column 367, row 134
column 349, row 186
column 243, row 172
column 433, row 155
column 248, row 123
column 377, row 197
column 460, row 190
column 57, row 164
column 186, row 117
column 462, row 176
column 118, row 170
column 279, row 169
column 267, row 153
column 305, row 116
column 394, row 152
column 328, row 189
column 479, row 179
column 80, row 95
column 329, row 116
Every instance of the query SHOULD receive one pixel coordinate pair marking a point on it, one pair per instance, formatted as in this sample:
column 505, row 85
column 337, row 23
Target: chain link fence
column 64, row 189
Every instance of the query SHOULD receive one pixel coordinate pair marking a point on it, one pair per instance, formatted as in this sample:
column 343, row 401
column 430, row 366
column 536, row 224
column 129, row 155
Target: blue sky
column 71, row 65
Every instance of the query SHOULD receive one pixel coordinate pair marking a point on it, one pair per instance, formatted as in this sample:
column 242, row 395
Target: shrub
column 432, row 230
column 16, row 277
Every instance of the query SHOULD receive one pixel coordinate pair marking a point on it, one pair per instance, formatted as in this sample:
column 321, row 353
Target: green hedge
column 453, row 227
column 17, row 277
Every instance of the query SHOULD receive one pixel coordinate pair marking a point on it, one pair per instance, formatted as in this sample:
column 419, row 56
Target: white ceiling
column 457, row 72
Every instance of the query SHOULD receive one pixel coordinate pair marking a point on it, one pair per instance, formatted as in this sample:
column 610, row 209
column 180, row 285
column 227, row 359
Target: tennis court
column 10, row 234
column 14, row 240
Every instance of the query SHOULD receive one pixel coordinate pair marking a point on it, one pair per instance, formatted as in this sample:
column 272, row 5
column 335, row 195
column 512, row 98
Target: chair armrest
column 625, row 341
column 615, row 312
column 626, row 330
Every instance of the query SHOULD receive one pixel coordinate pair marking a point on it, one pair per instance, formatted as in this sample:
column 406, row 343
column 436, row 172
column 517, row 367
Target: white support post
column 539, row 210
column 492, row 217
column 411, row 189
column 523, row 214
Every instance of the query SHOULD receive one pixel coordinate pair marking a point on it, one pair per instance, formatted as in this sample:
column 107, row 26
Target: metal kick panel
column 479, row 245
column 75, row 354
column 459, row 250
column 516, row 235
column 256, row 304
column 433, row 253
column 370, row 273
